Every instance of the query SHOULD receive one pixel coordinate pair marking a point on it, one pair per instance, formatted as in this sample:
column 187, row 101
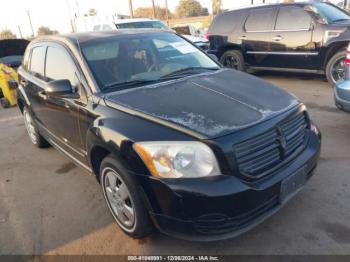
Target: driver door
column 62, row 114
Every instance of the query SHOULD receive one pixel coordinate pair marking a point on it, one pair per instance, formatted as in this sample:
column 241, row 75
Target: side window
column 292, row 18
column 37, row 61
column 25, row 62
column 59, row 65
column 260, row 19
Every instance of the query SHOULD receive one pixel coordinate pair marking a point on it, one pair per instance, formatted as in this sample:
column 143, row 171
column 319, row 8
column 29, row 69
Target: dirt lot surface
column 49, row 206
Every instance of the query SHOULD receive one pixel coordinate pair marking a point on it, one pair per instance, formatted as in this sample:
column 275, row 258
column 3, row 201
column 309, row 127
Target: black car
column 176, row 141
column 296, row 37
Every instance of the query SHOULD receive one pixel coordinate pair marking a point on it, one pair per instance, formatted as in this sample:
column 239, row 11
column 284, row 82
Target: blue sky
column 56, row 13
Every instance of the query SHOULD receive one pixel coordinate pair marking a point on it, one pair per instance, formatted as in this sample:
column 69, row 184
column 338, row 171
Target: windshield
column 331, row 13
column 126, row 61
column 143, row 24
column 13, row 61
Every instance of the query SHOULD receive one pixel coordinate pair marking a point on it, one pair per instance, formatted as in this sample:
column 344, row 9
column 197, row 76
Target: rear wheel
column 33, row 133
column 4, row 103
column 335, row 69
column 233, row 59
column 123, row 199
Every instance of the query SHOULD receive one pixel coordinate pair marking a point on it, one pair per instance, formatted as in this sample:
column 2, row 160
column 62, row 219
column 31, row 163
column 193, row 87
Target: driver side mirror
column 60, row 88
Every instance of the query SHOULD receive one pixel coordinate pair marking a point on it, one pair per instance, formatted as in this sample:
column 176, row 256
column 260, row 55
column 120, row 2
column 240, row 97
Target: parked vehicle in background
column 342, row 88
column 192, row 34
column 11, row 55
column 142, row 23
column 298, row 37
column 176, row 141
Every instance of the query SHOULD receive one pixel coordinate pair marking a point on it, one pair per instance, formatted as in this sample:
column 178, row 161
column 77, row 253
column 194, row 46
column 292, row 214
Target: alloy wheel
column 30, row 127
column 119, row 199
column 338, row 70
column 231, row 62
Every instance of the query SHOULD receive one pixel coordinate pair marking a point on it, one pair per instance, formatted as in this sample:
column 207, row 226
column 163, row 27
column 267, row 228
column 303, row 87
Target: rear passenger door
column 256, row 36
column 34, row 82
column 292, row 43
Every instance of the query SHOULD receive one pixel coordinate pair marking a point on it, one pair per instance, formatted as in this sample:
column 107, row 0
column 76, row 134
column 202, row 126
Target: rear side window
column 227, row 22
column 292, row 18
column 59, row 65
column 37, row 61
column 260, row 19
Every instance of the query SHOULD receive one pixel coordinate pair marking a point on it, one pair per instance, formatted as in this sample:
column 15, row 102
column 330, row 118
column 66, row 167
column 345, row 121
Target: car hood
column 12, row 47
column 209, row 105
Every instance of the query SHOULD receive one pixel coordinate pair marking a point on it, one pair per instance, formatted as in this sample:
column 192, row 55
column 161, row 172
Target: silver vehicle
column 342, row 87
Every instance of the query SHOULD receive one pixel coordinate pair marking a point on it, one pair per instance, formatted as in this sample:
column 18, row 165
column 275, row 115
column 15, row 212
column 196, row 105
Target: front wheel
column 233, row 59
column 123, row 199
column 335, row 69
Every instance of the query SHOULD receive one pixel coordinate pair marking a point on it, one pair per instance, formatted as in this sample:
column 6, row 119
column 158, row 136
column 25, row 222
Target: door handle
column 277, row 38
column 43, row 95
column 243, row 37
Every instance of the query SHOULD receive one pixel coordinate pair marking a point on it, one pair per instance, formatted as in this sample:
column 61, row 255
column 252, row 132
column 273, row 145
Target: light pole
column 166, row 12
column 154, row 9
column 30, row 23
column 131, row 9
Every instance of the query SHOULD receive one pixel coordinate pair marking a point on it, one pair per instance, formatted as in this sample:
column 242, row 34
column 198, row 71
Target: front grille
column 261, row 155
column 217, row 224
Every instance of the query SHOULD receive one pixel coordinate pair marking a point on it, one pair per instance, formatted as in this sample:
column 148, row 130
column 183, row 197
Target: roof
column 133, row 20
column 273, row 5
column 76, row 38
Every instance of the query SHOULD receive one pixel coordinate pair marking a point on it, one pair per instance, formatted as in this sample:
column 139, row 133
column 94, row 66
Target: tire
column 122, row 197
column 35, row 137
column 4, row 103
column 335, row 67
column 233, row 59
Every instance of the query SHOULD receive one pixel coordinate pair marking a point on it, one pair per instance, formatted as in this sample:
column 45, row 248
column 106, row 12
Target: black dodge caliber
column 177, row 142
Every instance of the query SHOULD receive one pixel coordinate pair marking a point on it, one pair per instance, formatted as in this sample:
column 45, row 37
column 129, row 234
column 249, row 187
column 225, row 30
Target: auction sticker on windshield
column 184, row 47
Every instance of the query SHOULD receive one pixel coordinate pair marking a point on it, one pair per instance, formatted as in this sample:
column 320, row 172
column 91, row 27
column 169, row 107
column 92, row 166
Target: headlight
column 178, row 159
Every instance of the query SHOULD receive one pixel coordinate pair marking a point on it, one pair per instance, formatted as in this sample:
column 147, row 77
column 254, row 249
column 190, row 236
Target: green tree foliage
column 7, row 34
column 189, row 8
column 217, row 6
column 148, row 12
column 44, row 30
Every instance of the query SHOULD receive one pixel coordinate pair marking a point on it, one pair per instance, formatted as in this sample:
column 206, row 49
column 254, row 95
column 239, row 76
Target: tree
column 7, row 34
column 217, row 6
column 189, row 8
column 148, row 12
column 44, row 30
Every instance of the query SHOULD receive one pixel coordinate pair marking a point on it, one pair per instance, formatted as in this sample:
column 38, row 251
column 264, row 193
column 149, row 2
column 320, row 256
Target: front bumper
column 342, row 94
column 220, row 207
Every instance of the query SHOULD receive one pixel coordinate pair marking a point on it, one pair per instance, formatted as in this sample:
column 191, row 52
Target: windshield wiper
column 340, row 20
column 185, row 70
column 122, row 85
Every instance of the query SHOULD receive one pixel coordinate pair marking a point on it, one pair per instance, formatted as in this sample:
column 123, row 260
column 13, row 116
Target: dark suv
column 176, row 141
column 304, row 37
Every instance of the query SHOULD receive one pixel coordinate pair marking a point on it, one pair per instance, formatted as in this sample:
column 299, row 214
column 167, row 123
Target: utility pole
column 154, row 9
column 131, row 10
column 20, row 32
column 252, row 2
column 30, row 23
column 166, row 12
column 345, row 4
